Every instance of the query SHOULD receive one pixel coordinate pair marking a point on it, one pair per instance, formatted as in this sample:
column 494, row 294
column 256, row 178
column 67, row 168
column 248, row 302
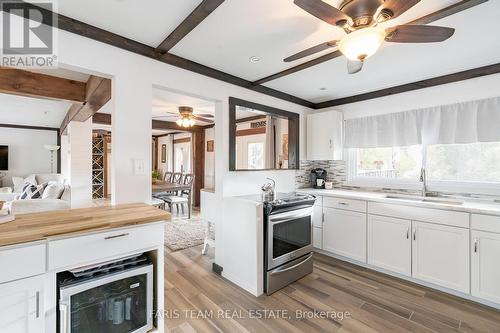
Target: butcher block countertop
column 41, row 226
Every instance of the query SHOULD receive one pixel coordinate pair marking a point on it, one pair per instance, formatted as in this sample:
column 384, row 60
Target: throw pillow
column 53, row 191
column 20, row 182
column 31, row 191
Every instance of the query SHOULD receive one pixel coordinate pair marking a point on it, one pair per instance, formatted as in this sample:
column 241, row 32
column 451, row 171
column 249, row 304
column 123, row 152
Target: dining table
column 160, row 186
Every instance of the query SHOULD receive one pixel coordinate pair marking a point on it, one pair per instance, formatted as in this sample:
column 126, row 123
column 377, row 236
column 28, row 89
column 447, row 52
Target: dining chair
column 177, row 178
column 188, row 180
column 168, row 176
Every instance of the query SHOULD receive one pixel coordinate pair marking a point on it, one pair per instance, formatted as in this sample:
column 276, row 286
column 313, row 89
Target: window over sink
column 457, row 168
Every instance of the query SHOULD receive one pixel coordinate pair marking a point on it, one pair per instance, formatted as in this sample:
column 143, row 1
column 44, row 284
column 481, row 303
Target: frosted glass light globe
column 362, row 44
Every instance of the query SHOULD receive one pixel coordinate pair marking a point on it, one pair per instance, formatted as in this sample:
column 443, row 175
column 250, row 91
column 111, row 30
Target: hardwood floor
column 197, row 300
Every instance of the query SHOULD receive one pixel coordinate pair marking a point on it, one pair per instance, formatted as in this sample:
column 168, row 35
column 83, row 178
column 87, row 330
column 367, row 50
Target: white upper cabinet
column 324, row 136
column 441, row 255
column 389, row 243
column 485, row 252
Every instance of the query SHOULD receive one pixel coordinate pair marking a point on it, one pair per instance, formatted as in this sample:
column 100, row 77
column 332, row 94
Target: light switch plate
column 139, row 168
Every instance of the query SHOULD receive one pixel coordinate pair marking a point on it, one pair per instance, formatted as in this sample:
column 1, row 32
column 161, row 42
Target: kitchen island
column 35, row 248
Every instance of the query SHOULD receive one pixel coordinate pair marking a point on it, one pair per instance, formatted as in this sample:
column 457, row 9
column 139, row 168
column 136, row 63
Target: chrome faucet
column 423, row 180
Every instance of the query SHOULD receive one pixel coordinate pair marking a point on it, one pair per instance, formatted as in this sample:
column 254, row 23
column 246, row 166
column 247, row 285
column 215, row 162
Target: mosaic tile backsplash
column 336, row 172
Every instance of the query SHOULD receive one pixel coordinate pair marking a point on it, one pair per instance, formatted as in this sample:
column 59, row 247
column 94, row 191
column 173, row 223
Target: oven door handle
column 292, row 267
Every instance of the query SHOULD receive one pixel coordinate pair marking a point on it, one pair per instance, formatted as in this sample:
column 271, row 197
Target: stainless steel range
column 288, row 240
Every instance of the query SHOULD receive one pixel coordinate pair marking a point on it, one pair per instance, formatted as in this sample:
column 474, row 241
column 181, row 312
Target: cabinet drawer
column 21, row 262
column 347, row 204
column 485, row 223
column 97, row 247
column 438, row 216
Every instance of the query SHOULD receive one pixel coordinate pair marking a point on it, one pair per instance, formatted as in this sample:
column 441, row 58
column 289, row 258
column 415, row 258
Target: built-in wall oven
column 288, row 240
column 112, row 297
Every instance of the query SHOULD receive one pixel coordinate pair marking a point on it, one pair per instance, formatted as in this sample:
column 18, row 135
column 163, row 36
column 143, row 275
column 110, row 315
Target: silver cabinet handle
column 37, row 311
column 116, row 236
column 407, row 233
column 323, row 217
column 343, row 204
column 475, row 245
column 331, row 144
column 414, row 234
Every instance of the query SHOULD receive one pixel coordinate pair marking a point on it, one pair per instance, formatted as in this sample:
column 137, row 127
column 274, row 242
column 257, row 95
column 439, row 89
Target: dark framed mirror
column 262, row 137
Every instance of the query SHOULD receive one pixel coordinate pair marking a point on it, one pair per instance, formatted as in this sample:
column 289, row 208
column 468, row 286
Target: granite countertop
column 41, row 226
column 468, row 206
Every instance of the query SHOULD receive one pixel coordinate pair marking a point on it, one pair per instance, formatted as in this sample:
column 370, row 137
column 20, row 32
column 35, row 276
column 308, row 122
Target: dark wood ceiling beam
column 97, row 94
column 445, row 12
column 445, row 79
column 201, row 12
column 86, row 30
column 105, row 119
column 24, row 83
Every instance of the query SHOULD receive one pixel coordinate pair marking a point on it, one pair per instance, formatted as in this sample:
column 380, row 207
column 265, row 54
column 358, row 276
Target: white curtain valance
column 467, row 122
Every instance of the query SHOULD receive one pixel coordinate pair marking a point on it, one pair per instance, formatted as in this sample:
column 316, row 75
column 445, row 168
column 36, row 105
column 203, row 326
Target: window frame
column 444, row 186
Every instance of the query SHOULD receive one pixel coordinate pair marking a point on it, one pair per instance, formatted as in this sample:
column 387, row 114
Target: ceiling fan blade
column 311, row 51
column 354, row 67
column 322, row 10
column 205, row 115
column 418, row 34
column 398, row 7
column 205, row 120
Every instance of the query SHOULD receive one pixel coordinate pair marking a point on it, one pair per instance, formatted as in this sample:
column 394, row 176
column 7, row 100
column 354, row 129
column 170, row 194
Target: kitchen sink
column 426, row 199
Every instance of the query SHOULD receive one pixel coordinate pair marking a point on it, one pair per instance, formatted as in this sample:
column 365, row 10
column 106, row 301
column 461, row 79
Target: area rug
column 183, row 234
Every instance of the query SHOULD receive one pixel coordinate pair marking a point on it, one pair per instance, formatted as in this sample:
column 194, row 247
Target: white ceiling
column 28, row 111
column 273, row 30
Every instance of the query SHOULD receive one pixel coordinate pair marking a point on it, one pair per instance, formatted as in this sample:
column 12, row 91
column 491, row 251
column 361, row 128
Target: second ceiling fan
column 360, row 20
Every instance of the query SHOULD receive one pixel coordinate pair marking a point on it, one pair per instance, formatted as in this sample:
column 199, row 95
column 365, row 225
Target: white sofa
column 17, row 206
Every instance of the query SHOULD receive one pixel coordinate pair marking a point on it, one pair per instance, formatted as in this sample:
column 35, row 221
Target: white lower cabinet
column 344, row 233
column 318, row 238
column 441, row 255
column 485, row 268
column 389, row 244
column 21, row 306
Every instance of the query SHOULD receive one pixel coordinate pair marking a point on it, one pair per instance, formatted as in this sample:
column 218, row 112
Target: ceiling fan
column 360, row 20
column 185, row 117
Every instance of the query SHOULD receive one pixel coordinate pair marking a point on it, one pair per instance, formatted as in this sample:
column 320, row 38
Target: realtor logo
column 28, row 34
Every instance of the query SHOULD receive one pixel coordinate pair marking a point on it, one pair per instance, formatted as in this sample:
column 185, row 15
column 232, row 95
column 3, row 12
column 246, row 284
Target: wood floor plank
column 376, row 302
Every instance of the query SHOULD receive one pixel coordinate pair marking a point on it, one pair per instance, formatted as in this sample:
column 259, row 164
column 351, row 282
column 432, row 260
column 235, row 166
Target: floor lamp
column 52, row 149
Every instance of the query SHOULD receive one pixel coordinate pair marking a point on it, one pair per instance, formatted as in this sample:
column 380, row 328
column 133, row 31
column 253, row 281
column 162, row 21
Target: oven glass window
column 291, row 235
column 116, row 307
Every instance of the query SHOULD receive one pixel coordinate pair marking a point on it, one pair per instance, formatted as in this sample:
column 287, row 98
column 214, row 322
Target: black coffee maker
column 318, row 174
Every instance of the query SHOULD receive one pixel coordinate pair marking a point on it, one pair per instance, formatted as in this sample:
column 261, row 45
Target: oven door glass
column 291, row 235
column 119, row 306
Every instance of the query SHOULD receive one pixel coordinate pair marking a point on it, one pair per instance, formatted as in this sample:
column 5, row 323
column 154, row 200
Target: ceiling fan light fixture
column 186, row 117
column 362, row 44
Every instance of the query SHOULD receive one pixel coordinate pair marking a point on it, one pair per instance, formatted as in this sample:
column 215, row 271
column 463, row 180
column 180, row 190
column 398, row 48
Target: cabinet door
column 324, row 136
column 344, row 233
column 21, row 306
column 441, row 255
column 485, row 267
column 318, row 238
column 389, row 244
column 317, row 216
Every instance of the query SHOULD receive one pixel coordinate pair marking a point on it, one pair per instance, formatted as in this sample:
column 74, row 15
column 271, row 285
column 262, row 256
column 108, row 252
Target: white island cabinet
column 324, row 136
column 21, row 306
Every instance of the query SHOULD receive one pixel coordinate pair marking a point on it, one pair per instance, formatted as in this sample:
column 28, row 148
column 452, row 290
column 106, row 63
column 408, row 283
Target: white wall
column 80, row 163
column 210, row 159
column 27, row 154
column 468, row 90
